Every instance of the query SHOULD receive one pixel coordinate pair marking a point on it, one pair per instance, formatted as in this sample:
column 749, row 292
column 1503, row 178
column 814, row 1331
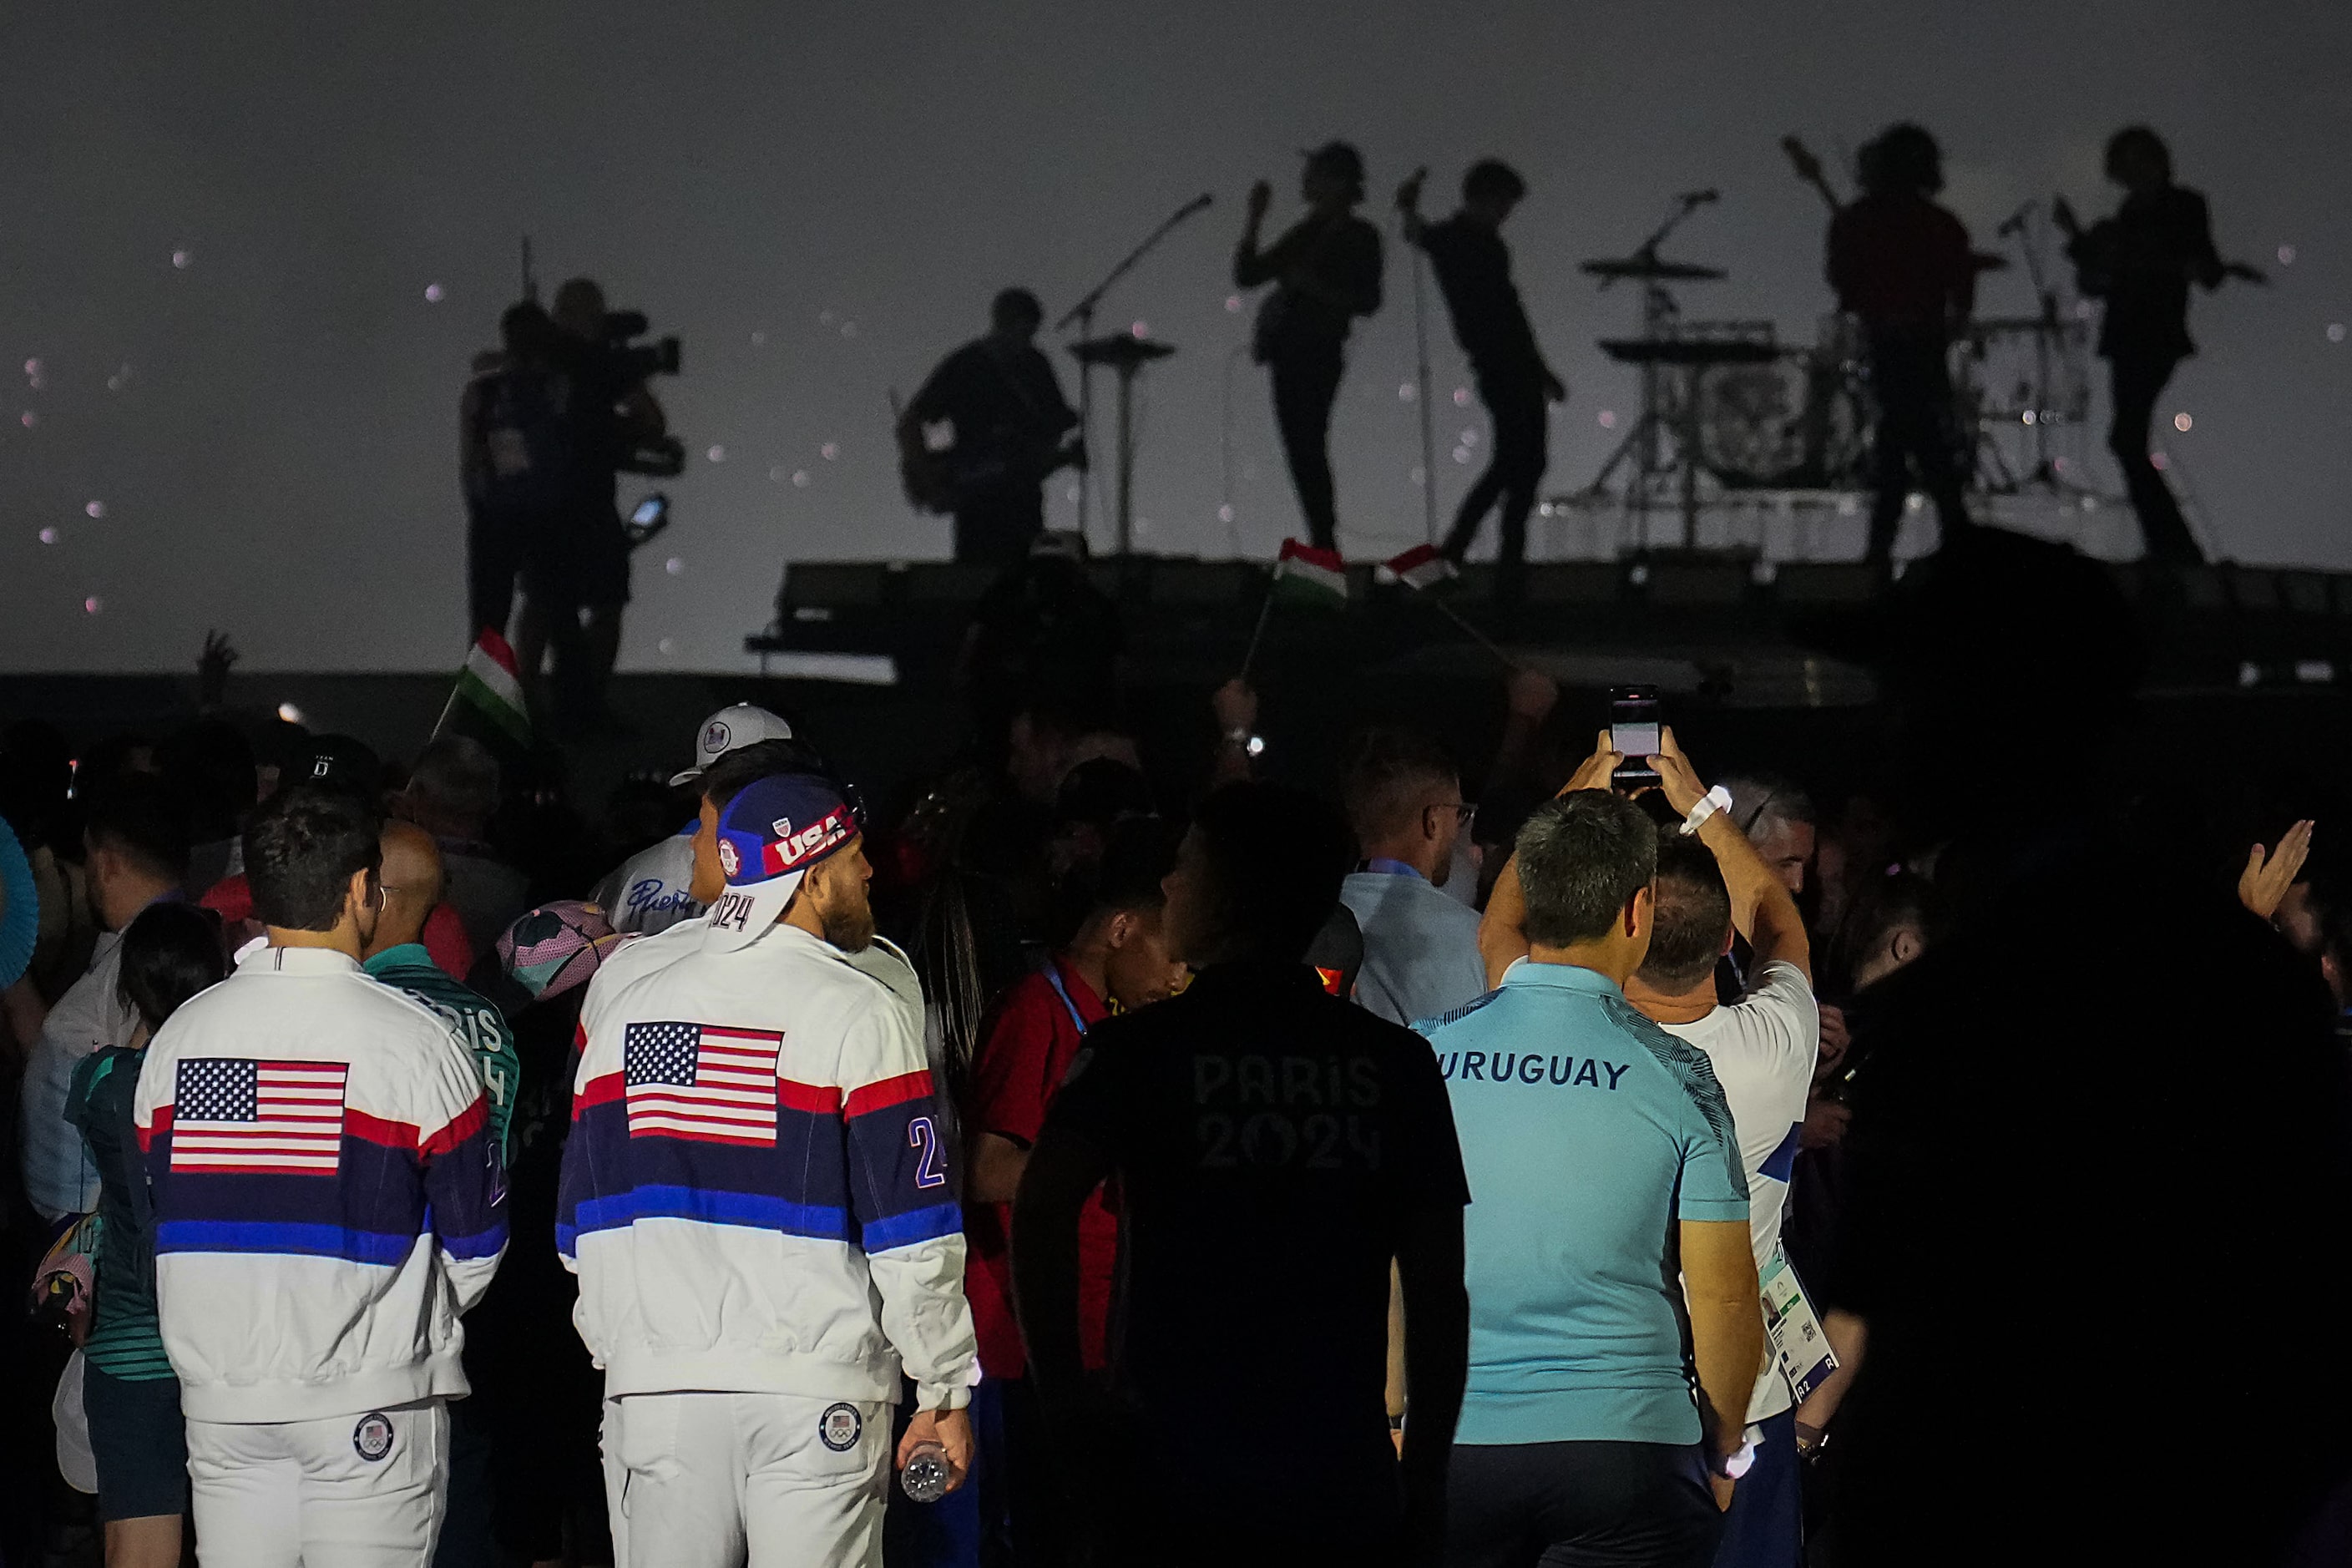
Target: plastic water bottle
column 925, row 1477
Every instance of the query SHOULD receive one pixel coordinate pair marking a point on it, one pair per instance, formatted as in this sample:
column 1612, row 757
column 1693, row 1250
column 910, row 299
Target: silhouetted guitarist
column 1004, row 404
column 1901, row 264
column 2141, row 262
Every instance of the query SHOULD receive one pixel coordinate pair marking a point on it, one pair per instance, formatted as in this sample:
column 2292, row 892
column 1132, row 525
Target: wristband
column 1737, row 1463
column 1714, row 800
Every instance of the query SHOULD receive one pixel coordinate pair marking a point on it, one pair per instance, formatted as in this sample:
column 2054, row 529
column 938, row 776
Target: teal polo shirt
column 471, row 1016
column 1587, row 1133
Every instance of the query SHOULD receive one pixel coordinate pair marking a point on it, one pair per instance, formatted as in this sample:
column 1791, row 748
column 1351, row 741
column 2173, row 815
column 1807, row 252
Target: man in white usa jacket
column 755, row 1196
column 328, row 1200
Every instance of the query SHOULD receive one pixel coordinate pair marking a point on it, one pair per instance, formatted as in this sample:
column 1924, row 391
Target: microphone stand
column 1083, row 314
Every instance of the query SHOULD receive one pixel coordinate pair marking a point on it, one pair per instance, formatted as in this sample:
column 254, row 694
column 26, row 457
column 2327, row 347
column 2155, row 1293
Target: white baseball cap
column 728, row 730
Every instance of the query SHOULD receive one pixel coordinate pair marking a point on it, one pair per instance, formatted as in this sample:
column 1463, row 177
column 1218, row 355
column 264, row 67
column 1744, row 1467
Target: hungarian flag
column 1423, row 568
column 1306, row 576
column 488, row 703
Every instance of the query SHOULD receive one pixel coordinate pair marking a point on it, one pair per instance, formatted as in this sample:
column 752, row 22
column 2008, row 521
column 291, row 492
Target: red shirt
column 1901, row 261
column 1025, row 1053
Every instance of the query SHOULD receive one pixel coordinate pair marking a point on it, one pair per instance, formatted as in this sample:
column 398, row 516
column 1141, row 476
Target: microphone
column 2015, row 222
column 1204, row 199
column 1700, row 198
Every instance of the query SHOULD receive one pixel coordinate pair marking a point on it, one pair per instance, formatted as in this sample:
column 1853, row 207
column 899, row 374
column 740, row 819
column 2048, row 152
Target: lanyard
column 1054, row 979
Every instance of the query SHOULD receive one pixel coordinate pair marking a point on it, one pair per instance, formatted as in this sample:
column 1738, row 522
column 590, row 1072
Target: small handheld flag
column 1308, row 576
column 488, row 703
column 1423, row 568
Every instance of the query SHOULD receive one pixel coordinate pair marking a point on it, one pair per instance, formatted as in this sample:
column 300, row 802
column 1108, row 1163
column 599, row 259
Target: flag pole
column 1451, row 614
column 446, row 709
column 1265, row 610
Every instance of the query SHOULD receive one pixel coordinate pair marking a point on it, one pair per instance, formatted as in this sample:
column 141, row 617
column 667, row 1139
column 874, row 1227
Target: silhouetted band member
column 2141, row 262
column 1004, row 404
column 1901, row 263
column 1326, row 270
column 1473, row 272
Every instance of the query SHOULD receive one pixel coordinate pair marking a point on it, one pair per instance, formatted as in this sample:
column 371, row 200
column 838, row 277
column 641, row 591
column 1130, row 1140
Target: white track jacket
column 327, row 1195
column 755, row 1193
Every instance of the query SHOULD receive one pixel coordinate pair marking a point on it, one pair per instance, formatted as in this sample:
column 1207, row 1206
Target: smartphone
column 649, row 518
column 1634, row 729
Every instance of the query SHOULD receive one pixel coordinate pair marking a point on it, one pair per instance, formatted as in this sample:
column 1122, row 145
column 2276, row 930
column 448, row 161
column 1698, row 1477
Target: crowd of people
column 1045, row 1161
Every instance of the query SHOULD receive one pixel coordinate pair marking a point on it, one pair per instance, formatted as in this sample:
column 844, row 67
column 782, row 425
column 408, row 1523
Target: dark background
column 821, row 197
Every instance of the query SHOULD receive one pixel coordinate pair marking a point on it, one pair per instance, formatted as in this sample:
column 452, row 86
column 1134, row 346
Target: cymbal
column 1120, row 349
column 1651, row 268
column 1691, row 351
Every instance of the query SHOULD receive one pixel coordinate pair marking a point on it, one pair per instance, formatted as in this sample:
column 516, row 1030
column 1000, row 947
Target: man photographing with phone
column 1579, row 1434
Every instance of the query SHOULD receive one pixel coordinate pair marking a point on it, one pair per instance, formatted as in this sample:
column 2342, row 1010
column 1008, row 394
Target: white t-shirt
column 649, row 892
column 59, row 1177
column 1762, row 1047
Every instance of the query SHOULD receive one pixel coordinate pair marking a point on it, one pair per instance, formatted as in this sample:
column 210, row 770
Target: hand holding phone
column 1633, row 733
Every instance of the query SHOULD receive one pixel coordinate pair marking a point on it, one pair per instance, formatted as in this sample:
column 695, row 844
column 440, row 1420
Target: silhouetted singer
column 1326, row 270
column 1473, row 272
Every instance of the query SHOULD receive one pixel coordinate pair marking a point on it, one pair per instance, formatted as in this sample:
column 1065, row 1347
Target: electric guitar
column 1809, row 169
column 943, row 482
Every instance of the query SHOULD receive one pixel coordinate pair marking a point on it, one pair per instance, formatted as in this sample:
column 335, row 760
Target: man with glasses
column 1403, row 795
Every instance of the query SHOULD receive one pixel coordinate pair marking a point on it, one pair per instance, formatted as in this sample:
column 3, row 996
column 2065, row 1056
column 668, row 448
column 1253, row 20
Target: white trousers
column 344, row 1492
column 716, row 1480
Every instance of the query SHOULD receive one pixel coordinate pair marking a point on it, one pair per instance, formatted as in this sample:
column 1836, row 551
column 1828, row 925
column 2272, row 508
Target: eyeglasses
column 1463, row 810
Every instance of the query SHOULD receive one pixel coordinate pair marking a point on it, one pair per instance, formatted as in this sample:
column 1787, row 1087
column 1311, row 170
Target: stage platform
column 1744, row 632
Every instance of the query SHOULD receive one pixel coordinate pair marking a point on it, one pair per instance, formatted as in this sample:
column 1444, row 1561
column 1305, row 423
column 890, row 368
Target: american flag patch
column 691, row 1081
column 252, row 1118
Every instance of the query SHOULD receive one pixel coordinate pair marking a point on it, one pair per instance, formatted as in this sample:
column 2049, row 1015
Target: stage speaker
column 1196, row 584
column 947, row 582
column 1574, row 583
column 2306, row 592
column 834, row 584
column 1825, row 583
column 2253, row 589
column 1698, row 582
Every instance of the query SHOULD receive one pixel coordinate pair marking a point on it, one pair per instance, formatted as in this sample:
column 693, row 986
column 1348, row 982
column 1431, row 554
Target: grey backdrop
column 820, row 199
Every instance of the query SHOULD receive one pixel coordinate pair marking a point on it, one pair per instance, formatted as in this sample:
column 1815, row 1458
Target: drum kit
column 1727, row 408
